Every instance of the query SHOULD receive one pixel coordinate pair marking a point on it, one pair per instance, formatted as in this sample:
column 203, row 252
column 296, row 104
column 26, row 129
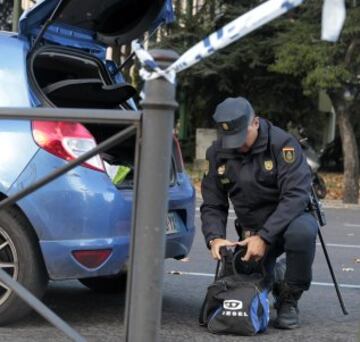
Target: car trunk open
column 66, row 78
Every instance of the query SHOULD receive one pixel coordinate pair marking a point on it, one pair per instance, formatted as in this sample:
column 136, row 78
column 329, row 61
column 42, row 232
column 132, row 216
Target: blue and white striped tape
column 150, row 69
column 233, row 31
column 333, row 18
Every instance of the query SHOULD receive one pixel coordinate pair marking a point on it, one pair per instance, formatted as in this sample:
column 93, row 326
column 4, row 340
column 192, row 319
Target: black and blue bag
column 237, row 302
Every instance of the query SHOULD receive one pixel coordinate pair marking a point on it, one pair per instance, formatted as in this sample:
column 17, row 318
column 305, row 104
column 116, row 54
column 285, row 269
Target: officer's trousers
column 298, row 241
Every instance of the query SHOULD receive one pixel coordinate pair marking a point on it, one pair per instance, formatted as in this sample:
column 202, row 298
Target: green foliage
column 319, row 65
column 280, row 67
column 325, row 77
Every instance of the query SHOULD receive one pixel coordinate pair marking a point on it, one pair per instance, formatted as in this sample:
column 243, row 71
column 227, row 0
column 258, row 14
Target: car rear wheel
column 113, row 284
column 20, row 257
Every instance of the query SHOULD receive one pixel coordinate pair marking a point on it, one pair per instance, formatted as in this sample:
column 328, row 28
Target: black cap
column 232, row 117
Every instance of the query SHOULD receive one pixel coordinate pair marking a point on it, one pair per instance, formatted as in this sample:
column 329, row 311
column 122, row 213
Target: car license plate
column 171, row 224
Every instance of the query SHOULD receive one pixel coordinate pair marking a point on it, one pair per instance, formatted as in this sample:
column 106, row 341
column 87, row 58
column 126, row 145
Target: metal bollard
column 147, row 248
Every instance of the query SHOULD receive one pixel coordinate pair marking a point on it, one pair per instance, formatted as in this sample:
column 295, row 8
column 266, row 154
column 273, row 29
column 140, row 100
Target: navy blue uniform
column 269, row 188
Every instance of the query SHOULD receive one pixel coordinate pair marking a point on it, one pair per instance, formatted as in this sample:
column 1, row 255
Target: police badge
column 288, row 154
column 269, row 165
column 225, row 126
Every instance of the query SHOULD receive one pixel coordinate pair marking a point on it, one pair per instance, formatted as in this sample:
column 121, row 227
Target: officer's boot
column 287, row 309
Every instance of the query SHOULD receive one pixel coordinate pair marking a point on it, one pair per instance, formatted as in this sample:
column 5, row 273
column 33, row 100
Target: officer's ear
column 256, row 122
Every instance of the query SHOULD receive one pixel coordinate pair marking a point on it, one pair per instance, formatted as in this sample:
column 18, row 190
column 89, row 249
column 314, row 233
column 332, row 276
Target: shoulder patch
column 289, row 154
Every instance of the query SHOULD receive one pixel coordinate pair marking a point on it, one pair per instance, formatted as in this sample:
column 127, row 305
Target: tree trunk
column 350, row 150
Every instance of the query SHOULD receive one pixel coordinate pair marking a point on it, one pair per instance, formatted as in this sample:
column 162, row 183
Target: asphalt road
column 100, row 317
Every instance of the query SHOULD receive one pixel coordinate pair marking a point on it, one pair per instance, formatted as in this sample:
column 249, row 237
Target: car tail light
column 178, row 155
column 92, row 258
column 66, row 140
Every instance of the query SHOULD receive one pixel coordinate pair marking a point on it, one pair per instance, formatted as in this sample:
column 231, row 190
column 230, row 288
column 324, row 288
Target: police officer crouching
column 261, row 169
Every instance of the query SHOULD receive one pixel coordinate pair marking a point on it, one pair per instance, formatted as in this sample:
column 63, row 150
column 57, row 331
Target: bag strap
column 224, row 266
column 217, row 272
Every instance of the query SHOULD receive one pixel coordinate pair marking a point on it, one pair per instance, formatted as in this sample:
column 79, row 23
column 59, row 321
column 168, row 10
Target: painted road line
column 316, row 283
column 345, row 286
column 352, row 225
column 231, row 211
column 230, row 217
column 192, row 274
column 339, row 245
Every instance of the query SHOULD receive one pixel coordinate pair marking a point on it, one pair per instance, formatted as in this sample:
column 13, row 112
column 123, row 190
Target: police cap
column 232, row 118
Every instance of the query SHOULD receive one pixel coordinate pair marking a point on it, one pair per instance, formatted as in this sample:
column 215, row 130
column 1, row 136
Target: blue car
column 78, row 226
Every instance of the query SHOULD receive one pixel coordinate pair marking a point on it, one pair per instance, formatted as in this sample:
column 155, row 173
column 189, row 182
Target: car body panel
column 17, row 145
column 94, row 215
column 14, row 91
column 61, row 264
column 91, row 206
column 17, row 150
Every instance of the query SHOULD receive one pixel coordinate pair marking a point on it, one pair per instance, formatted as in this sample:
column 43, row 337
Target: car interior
column 71, row 79
column 67, row 78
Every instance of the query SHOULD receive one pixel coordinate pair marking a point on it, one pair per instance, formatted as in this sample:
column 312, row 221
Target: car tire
column 21, row 258
column 113, row 284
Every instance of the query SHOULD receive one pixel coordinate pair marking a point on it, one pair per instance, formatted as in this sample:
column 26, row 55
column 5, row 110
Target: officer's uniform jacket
column 268, row 187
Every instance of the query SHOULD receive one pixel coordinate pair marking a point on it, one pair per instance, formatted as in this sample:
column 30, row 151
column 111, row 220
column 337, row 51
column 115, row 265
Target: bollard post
column 147, row 247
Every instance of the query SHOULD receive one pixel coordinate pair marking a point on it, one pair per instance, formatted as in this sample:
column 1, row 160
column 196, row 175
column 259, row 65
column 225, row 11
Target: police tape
column 150, row 69
column 235, row 30
column 333, row 18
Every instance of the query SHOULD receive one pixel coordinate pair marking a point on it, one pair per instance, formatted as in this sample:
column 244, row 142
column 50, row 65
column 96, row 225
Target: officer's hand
column 217, row 244
column 256, row 248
